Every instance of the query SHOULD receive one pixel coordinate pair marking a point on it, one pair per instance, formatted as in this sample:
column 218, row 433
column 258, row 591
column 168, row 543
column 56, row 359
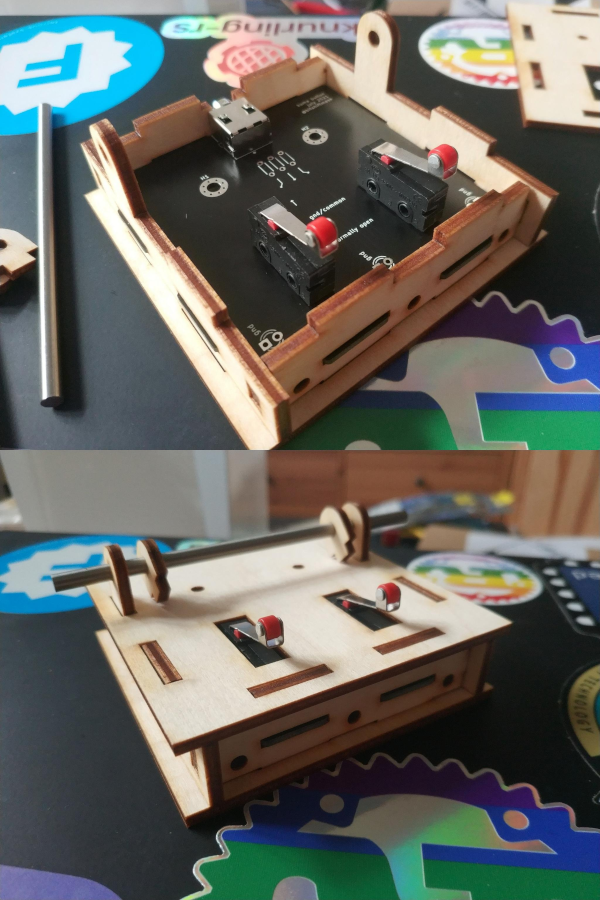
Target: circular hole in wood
column 503, row 235
column 197, row 588
column 3, row 245
column 448, row 680
column 414, row 302
column 354, row 717
column 297, row 566
column 239, row 762
column 582, row 37
column 374, row 39
column 301, row 385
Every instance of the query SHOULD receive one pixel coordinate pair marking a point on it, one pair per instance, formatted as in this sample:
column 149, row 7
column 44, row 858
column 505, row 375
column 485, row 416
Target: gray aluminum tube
column 49, row 358
column 96, row 574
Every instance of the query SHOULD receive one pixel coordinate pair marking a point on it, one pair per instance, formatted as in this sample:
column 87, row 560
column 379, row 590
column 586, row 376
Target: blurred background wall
column 220, row 494
column 171, row 493
column 556, row 492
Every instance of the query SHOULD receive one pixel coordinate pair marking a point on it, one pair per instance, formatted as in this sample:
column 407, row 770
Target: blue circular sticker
column 26, row 574
column 80, row 65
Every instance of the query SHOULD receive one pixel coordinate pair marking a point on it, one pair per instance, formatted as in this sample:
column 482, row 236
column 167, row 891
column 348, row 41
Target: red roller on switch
column 326, row 234
column 443, row 160
column 268, row 631
column 387, row 596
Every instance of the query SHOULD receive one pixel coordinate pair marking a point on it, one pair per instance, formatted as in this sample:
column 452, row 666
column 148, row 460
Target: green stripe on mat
column 428, row 429
column 543, row 430
column 253, row 871
column 503, row 883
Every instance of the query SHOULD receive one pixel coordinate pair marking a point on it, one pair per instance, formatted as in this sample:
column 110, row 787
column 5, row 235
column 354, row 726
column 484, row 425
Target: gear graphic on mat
column 404, row 831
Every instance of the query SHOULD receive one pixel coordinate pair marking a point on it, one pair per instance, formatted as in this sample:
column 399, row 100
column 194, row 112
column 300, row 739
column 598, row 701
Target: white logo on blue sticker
column 80, row 65
column 26, row 574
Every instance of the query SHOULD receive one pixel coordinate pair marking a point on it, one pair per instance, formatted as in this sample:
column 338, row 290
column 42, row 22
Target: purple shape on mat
column 32, row 884
column 417, row 777
column 496, row 318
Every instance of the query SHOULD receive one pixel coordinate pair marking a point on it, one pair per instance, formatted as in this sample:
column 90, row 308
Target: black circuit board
column 310, row 178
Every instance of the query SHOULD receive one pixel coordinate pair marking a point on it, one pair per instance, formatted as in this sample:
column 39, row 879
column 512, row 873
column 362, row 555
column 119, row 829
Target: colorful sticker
column 243, row 54
column 575, row 587
column 26, row 574
column 476, row 51
column 80, row 65
column 488, row 580
column 407, row 830
column 581, row 709
column 27, row 884
column 252, row 43
column 276, row 29
column 488, row 366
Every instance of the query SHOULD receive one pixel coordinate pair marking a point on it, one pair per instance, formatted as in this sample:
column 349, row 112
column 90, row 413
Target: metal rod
column 49, row 359
column 96, row 574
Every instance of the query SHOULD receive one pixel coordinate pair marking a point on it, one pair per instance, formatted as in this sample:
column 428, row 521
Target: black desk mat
column 81, row 794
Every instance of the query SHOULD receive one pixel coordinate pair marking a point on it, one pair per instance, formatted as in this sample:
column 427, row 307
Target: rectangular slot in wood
column 466, row 258
column 375, row 619
column 294, row 732
column 569, row 12
column 163, row 666
column 528, row 32
column 591, row 113
column 407, row 688
column 536, row 74
column 408, row 641
column 593, row 76
column 134, row 234
column 358, row 337
column 200, row 329
column 279, row 684
column 255, row 652
column 420, row 590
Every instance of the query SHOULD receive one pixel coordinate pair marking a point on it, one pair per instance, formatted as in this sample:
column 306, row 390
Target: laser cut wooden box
column 357, row 330
column 222, row 731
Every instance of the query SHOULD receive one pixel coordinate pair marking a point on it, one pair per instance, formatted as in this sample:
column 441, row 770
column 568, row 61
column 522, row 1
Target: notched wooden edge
column 163, row 113
column 316, row 318
column 279, row 684
column 290, row 64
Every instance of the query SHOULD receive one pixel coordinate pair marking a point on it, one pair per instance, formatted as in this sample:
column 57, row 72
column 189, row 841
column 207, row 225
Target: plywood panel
column 303, row 482
column 557, row 492
column 213, row 699
column 377, row 476
column 555, row 47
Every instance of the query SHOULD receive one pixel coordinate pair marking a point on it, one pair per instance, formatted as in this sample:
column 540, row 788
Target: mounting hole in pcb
column 314, row 136
column 213, row 187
